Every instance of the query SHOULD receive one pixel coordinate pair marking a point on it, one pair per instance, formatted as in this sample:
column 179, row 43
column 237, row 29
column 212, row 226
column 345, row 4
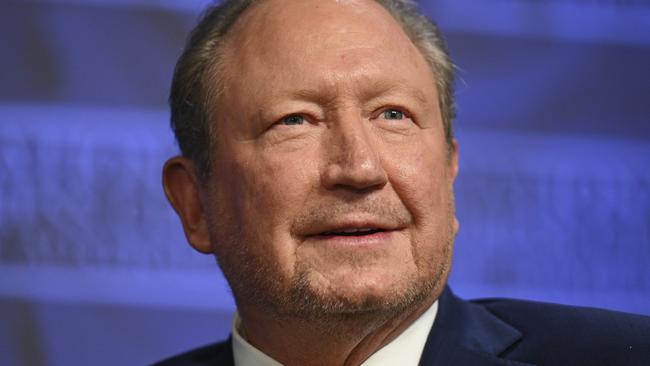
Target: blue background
column 553, row 194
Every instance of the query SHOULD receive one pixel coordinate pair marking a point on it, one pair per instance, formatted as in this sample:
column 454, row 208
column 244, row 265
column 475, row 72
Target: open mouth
column 353, row 232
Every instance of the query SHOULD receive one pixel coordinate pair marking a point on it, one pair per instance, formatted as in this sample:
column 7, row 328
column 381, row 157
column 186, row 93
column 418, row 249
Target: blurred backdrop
column 553, row 194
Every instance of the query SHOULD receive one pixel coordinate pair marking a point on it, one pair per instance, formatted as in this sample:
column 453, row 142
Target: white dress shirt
column 404, row 350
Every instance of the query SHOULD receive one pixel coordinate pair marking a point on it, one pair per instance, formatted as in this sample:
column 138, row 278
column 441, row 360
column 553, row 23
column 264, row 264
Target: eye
column 394, row 114
column 293, row 119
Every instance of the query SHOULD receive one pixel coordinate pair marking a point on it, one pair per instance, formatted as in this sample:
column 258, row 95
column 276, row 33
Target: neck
column 347, row 339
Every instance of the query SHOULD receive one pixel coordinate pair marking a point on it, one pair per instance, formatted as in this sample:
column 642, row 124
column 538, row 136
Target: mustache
column 388, row 212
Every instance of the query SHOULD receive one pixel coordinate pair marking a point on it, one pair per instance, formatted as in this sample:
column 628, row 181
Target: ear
column 453, row 159
column 453, row 168
column 182, row 189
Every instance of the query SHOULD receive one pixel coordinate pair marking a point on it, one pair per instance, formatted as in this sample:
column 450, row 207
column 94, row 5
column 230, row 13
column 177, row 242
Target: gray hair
column 196, row 76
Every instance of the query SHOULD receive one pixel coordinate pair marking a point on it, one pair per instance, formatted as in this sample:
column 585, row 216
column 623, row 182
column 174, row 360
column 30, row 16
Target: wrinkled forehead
column 298, row 41
column 271, row 29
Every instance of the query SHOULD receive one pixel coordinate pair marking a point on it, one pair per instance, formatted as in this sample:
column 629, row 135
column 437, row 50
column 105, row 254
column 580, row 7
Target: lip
column 370, row 240
column 386, row 232
column 317, row 230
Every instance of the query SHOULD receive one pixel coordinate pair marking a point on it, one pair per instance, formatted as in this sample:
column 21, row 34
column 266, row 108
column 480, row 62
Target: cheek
column 258, row 197
column 422, row 181
column 272, row 189
column 421, row 178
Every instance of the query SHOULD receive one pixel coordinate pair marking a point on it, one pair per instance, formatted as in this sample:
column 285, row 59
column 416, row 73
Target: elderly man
column 317, row 165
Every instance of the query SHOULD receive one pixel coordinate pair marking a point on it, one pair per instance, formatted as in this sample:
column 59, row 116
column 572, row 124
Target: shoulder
column 560, row 334
column 555, row 319
column 214, row 354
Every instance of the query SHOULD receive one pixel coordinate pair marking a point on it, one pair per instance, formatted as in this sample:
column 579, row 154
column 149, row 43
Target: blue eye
column 393, row 114
column 293, row 119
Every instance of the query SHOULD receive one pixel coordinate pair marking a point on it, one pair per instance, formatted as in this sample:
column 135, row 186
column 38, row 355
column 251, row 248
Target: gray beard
column 256, row 285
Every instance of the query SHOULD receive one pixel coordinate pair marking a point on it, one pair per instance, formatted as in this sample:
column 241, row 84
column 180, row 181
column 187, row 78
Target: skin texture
column 328, row 120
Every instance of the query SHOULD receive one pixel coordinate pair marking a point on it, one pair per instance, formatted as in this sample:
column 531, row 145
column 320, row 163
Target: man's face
column 332, row 181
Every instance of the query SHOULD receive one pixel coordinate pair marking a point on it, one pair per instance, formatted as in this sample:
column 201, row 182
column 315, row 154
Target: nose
column 353, row 158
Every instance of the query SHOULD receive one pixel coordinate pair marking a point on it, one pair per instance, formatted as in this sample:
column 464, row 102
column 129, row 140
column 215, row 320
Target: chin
column 369, row 291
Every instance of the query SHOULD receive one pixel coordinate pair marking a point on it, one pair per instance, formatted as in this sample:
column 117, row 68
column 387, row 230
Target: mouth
column 356, row 230
column 353, row 232
column 365, row 236
column 369, row 234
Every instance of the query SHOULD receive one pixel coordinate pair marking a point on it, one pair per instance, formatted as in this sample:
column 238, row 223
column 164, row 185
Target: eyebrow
column 313, row 95
column 376, row 90
column 380, row 88
column 305, row 95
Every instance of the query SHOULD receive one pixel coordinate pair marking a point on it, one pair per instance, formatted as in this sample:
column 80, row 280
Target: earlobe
column 183, row 192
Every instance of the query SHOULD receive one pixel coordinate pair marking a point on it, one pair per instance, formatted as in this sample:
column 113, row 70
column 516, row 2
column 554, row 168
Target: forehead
column 292, row 20
column 321, row 44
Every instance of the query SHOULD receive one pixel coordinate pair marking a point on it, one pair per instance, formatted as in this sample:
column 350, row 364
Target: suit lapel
column 466, row 334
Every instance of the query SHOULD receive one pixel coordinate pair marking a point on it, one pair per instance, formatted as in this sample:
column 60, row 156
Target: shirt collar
column 244, row 353
column 405, row 350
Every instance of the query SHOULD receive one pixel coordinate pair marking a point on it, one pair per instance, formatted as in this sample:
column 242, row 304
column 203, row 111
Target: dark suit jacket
column 508, row 332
